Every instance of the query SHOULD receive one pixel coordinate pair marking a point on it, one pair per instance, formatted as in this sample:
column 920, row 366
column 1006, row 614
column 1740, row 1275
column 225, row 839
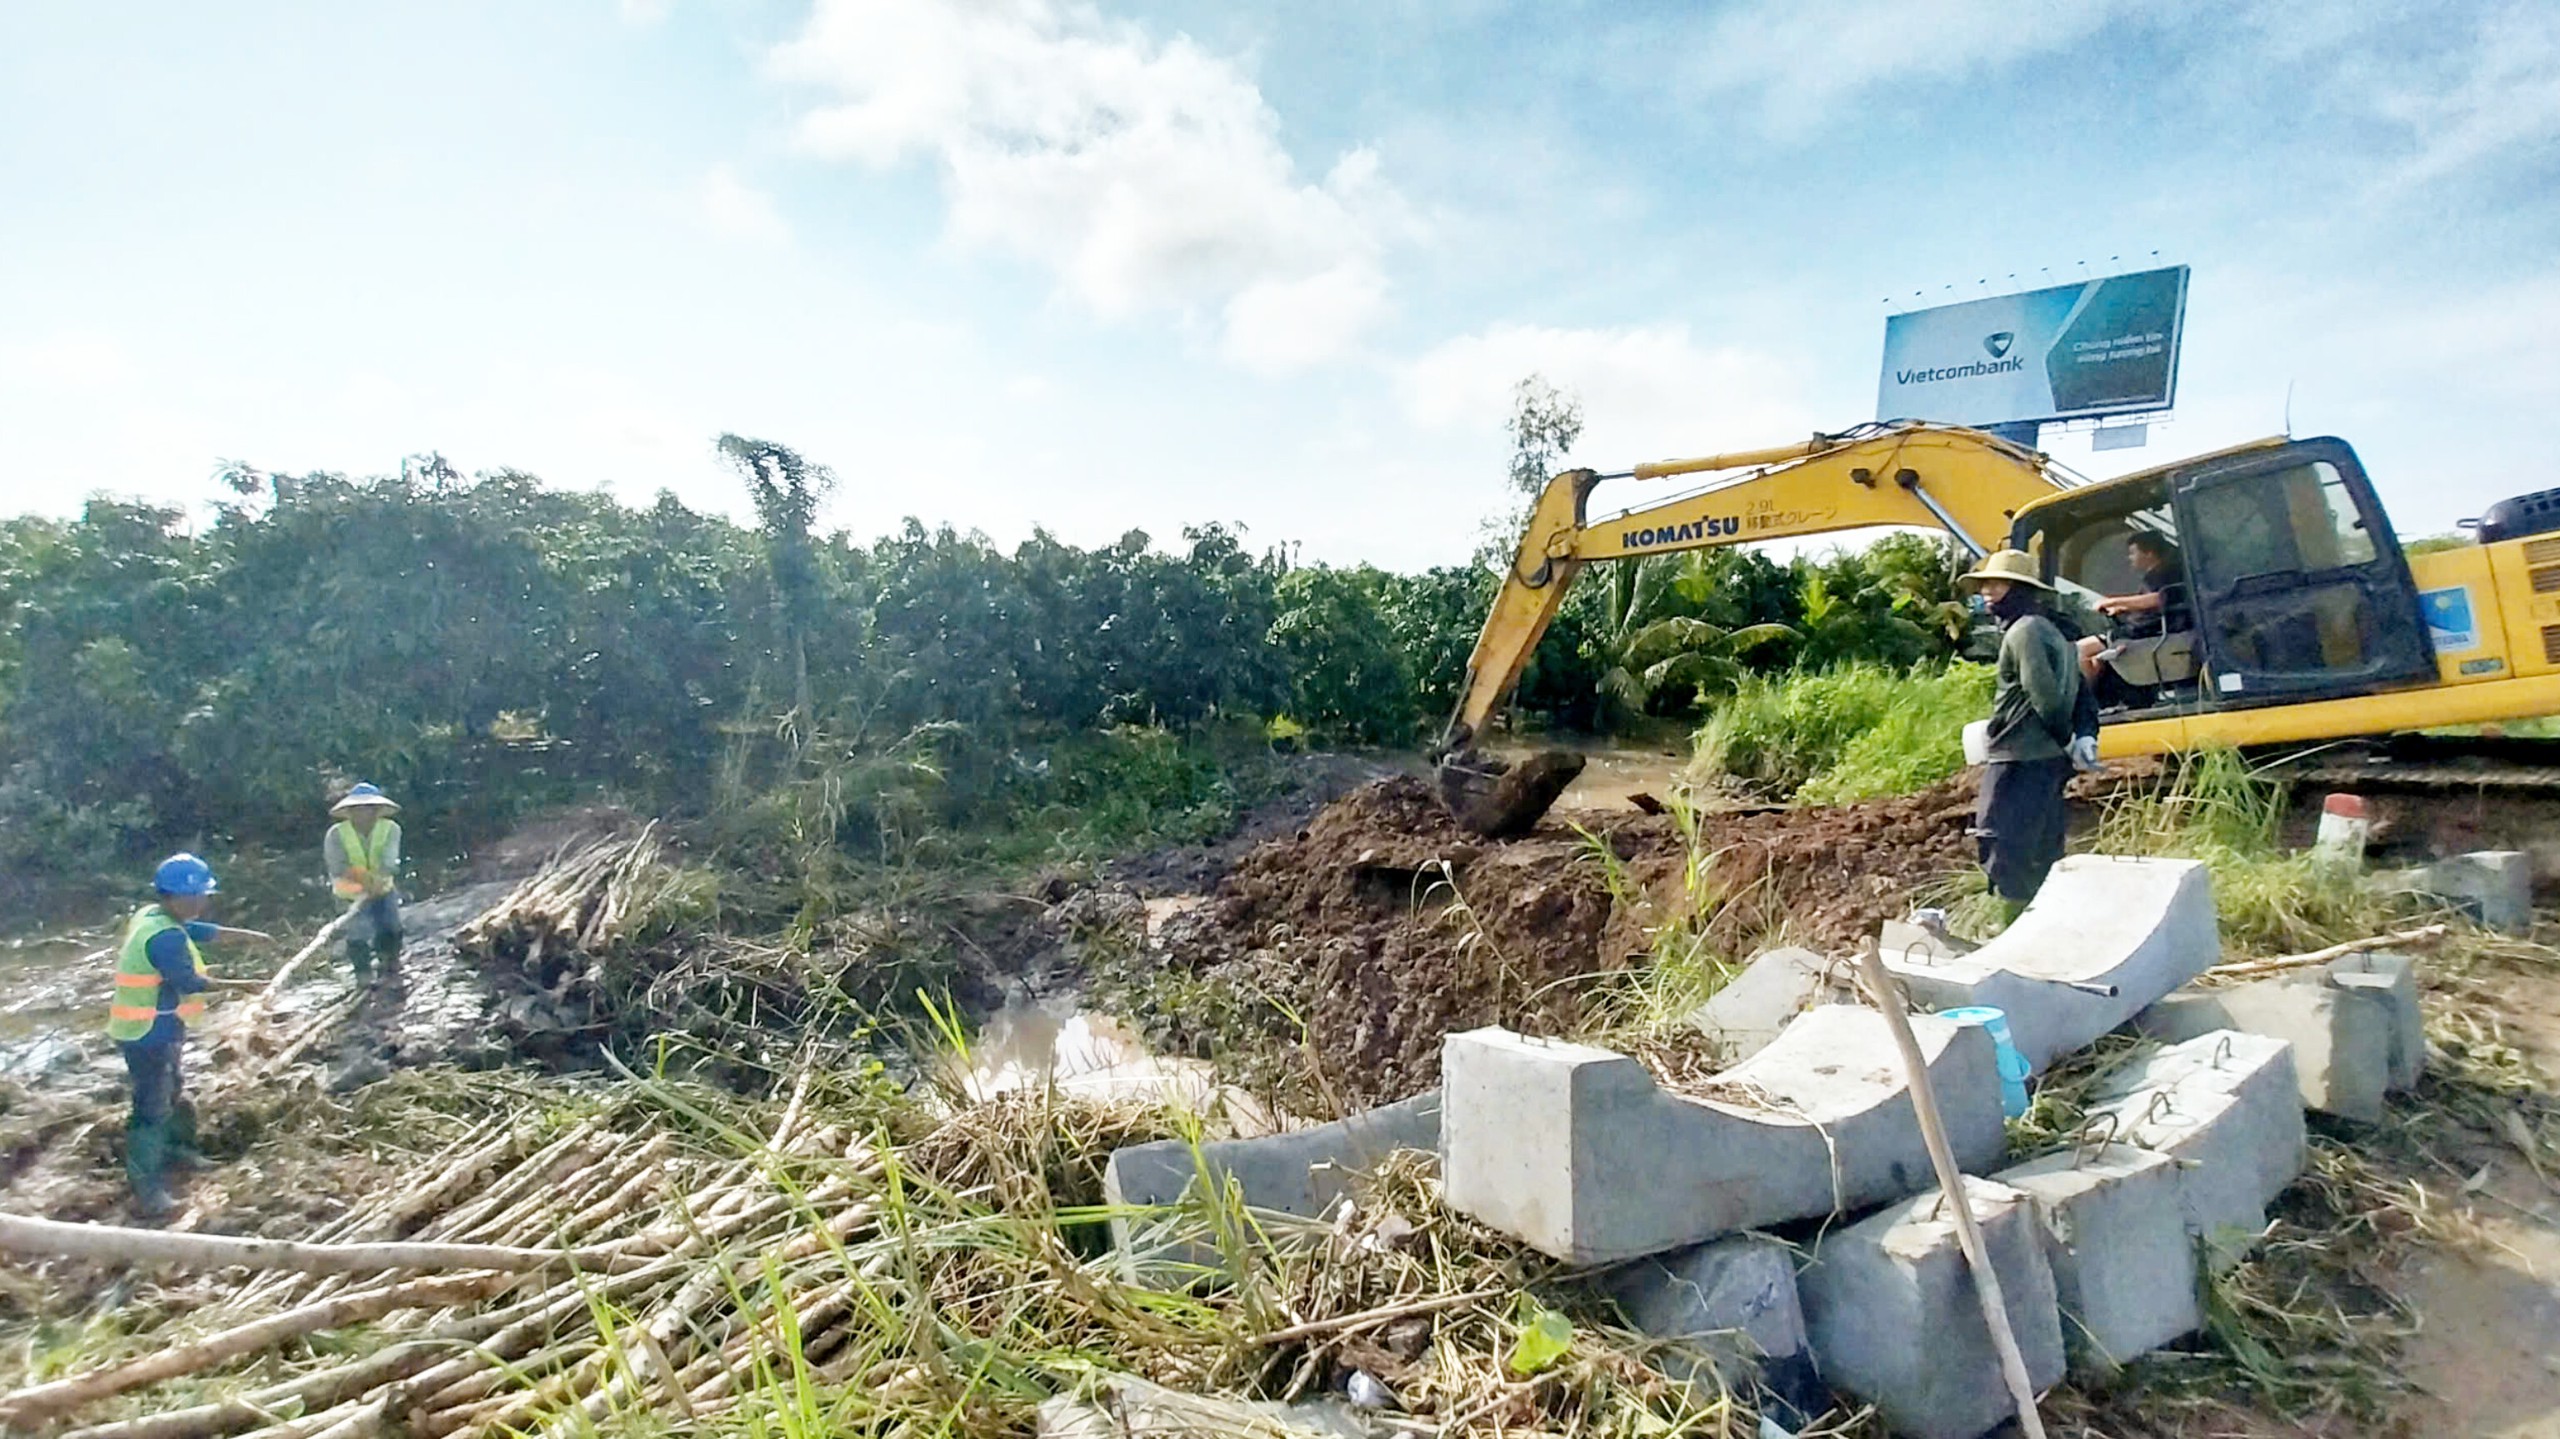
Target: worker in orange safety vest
column 160, row 984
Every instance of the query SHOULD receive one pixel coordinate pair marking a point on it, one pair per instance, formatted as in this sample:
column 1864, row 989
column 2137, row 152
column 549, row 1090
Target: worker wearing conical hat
column 2043, row 724
column 362, row 853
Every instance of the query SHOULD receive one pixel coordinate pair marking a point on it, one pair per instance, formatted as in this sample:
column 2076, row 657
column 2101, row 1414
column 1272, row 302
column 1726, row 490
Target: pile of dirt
column 1824, row 877
column 1304, row 784
column 1382, row 926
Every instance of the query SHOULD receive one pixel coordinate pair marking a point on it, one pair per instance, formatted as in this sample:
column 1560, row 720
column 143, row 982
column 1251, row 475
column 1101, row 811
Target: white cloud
column 1147, row 175
column 732, row 207
column 1274, row 326
column 1801, row 58
column 2498, row 93
column 1648, row 392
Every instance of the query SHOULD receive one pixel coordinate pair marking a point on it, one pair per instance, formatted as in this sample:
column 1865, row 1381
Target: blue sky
column 1011, row 262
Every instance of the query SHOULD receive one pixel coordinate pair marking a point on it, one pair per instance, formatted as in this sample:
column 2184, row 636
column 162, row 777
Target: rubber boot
column 360, row 958
column 146, row 1167
column 387, row 950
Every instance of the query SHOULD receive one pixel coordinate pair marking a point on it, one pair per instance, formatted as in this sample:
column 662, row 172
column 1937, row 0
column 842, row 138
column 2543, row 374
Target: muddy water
column 53, row 999
column 1613, row 770
column 1054, row 1046
column 53, row 1006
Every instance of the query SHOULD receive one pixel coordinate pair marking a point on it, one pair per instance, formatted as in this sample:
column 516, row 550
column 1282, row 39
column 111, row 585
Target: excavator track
column 2427, row 764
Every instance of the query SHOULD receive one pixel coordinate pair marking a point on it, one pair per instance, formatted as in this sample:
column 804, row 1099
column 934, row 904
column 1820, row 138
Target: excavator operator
column 2159, row 607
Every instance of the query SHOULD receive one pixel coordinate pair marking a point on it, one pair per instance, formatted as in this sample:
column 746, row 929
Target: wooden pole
column 1887, row 997
column 276, row 985
column 2247, row 968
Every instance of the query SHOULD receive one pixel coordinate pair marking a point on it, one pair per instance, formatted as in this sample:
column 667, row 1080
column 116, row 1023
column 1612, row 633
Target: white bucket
column 1977, row 742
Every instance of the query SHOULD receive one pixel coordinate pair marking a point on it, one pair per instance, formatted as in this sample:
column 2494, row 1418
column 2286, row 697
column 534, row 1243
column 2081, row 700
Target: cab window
column 2299, row 519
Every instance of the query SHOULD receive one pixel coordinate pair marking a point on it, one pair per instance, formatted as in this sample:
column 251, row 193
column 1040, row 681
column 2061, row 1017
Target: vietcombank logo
column 1996, row 345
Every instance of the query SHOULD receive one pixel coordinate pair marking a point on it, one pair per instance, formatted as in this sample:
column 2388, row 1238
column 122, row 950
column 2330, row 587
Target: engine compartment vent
column 2512, row 519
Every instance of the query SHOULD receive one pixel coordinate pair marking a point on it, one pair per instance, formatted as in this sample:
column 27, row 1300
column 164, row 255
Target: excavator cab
column 2284, row 581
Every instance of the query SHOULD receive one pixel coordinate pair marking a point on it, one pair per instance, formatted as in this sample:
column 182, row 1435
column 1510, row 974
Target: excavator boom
column 1962, row 481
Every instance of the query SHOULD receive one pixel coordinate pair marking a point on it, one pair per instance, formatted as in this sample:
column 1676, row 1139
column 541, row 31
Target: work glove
column 2084, row 755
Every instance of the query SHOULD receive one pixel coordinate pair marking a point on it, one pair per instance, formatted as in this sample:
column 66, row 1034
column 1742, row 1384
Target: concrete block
column 2124, row 1266
column 1891, row 1308
column 1731, row 1309
column 2343, row 1037
column 1754, row 1008
column 2392, row 978
column 2227, row 1108
column 2493, row 886
column 2136, row 927
column 1302, row 1172
column 1577, row 1152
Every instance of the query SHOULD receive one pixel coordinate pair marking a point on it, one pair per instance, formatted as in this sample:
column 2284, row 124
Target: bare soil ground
column 1381, row 926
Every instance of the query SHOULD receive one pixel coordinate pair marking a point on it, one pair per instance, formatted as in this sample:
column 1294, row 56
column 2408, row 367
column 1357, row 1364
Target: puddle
column 1094, row 1056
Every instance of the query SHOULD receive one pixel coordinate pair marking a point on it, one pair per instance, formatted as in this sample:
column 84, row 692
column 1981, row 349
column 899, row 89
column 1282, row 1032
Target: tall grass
column 2214, row 807
column 1684, row 967
column 1857, row 732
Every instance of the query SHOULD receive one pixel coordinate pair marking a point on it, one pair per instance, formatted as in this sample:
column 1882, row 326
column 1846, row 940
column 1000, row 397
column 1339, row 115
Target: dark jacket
column 2038, row 699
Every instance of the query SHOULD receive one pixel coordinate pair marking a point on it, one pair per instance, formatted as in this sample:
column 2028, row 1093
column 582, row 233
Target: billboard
column 2102, row 347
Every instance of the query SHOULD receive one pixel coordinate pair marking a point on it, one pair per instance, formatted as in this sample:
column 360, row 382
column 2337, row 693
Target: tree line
column 481, row 642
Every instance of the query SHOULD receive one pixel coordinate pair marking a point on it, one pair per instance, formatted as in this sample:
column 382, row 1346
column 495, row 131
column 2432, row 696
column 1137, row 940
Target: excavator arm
column 1962, row 481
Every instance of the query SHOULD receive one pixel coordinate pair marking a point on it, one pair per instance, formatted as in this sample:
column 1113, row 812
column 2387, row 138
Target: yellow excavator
column 2301, row 620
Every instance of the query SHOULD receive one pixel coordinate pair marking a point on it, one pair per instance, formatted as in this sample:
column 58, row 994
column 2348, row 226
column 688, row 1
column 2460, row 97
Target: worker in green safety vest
column 362, row 852
column 160, row 984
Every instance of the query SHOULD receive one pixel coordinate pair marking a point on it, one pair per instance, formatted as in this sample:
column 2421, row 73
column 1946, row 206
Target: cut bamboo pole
column 1887, row 997
column 458, row 1178
column 108, row 1243
column 535, row 1173
column 624, row 1201
column 324, row 1390
column 388, row 1213
column 301, row 957
column 45, row 1401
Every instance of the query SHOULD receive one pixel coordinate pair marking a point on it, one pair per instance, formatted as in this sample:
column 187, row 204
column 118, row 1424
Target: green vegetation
column 484, row 646
column 2435, row 544
column 1856, row 732
column 2213, row 807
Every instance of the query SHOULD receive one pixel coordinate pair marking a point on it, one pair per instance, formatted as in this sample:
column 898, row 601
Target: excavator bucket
column 1501, row 801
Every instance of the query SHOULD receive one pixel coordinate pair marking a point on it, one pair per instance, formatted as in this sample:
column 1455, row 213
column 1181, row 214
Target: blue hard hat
column 184, row 874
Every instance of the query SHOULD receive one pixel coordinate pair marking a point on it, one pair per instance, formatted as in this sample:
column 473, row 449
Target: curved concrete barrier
column 1577, row 1152
column 1301, row 1172
column 2106, row 936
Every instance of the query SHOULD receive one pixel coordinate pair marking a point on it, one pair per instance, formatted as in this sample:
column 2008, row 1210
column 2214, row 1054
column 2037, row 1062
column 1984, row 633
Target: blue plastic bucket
column 2013, row 1065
